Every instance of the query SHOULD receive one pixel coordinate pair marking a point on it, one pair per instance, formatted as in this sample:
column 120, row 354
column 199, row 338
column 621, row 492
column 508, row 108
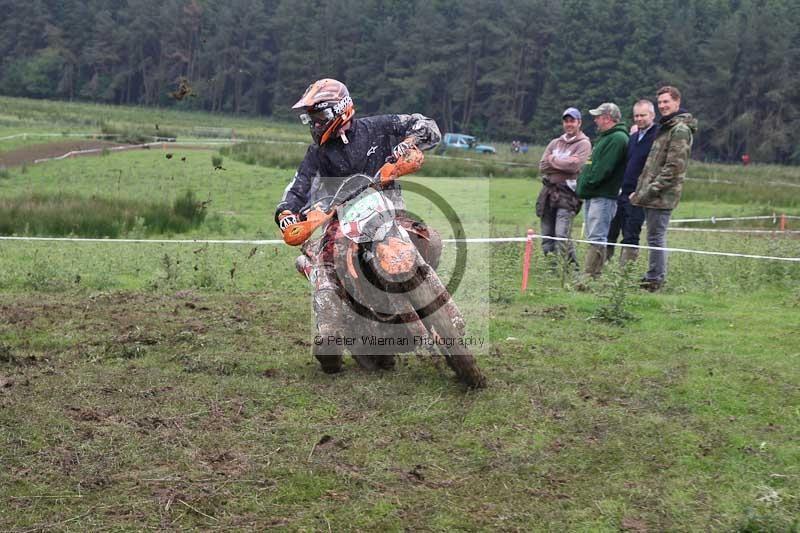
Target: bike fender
column 396, row 256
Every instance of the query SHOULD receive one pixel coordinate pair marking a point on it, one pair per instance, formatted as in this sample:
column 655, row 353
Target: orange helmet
column 328, row 107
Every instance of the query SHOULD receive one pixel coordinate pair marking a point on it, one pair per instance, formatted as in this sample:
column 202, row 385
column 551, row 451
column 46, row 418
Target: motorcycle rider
column 344, row 146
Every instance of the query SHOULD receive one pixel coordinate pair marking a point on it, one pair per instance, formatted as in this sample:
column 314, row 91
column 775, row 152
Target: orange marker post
column 783, row 222
column 526, row 263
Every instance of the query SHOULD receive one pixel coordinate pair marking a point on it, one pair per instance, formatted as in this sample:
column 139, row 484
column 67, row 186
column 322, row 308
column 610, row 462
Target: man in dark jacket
column 343, row 146
column 630, row 218
column 598, row 183
column 659, row 187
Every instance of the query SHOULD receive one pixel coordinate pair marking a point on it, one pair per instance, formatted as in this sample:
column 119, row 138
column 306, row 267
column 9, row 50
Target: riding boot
column 327, row 346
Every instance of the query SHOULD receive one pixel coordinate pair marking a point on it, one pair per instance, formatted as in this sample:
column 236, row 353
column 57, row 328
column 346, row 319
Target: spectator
column 599, row 182
column 557, row 203
column 629, row 218
column 659, row 187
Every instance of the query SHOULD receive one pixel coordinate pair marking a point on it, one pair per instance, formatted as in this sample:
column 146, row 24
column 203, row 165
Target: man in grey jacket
column 560, row 165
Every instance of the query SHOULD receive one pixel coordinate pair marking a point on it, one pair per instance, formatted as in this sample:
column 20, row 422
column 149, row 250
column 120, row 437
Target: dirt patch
column 19, row 316
column 29, row 154
column 634, row 524
column 85, row 414
column 555, row 312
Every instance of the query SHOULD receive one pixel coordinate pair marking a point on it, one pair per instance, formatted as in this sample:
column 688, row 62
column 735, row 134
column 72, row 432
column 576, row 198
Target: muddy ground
column 29, row 154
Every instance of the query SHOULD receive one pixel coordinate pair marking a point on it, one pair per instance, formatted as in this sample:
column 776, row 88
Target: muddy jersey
column 371, row 140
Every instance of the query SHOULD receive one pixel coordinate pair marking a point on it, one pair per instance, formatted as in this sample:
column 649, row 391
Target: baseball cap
column 571, row 112
column 609, row 109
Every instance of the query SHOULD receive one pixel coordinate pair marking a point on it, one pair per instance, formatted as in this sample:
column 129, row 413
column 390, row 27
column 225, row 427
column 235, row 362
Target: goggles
column 322, row 116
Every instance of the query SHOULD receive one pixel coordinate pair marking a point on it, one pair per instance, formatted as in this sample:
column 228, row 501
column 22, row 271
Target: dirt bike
column 394, row 300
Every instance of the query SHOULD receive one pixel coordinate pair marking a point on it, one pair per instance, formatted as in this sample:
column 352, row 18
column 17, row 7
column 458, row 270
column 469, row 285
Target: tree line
column 500, row 69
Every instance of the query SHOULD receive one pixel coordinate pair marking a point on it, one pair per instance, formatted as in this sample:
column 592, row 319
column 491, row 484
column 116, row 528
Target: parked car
column 465, row 142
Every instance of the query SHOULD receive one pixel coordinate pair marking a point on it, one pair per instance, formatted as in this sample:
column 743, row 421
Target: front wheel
column 446, row 326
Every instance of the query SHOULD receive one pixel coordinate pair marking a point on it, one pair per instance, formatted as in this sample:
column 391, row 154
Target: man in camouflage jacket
column 661, row 181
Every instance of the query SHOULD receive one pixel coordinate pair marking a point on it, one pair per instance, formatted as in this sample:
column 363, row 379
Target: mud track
column 29, row 154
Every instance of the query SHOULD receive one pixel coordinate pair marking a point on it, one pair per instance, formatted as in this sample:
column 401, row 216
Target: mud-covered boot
column 374, row 361
column 595, row 258
column 329, row 357
column 328, row 344
column 651, row 285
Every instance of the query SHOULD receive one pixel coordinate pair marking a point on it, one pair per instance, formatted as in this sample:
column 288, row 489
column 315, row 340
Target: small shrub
column 127, row 351
column 42, row 276
column 757, row 521
column 170, row 267
column 216, row 160
column 4, row 173
column 6, row 354
column 205, row 276
column 188, row 207
column 614, row 290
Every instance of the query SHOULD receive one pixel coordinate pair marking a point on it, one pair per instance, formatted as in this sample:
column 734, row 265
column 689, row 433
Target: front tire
column 446, row 325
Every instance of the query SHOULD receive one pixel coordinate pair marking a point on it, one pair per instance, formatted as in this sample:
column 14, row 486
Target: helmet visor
column 317, row 118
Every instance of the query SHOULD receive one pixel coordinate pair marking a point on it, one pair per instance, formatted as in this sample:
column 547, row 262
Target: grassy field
column 171, row 386
column 37, row 117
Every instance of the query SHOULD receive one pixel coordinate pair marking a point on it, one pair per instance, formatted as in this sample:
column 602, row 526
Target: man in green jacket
column 600, row 180
column 661, row 181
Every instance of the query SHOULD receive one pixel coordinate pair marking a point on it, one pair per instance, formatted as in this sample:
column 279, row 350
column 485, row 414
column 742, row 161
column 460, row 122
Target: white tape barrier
column 683, row 250
column 87, row 135
column 477, row 240
column 94, row 151
column 213, row 142
column 755, row 231
column 730, row 182
column 128, row 147
column 26, row 135
column 148, row 241
column 714, row 220
column 206, row 142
